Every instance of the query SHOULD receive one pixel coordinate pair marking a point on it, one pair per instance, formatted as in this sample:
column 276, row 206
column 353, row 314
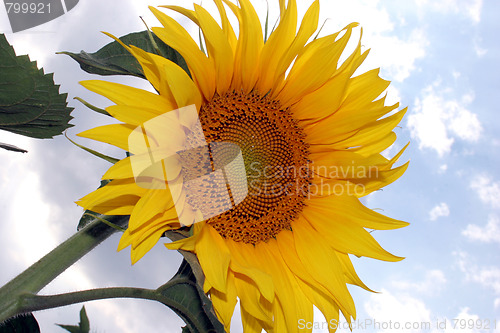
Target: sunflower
column 304, row 137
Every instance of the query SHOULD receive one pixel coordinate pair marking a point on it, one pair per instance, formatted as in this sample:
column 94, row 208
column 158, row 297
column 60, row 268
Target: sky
column 442, row 58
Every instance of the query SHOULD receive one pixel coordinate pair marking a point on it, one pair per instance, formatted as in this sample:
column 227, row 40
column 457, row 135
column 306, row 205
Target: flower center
column 275, row 157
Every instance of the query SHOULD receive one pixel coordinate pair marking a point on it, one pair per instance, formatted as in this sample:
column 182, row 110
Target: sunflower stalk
column 37, row 276
column 167, row 294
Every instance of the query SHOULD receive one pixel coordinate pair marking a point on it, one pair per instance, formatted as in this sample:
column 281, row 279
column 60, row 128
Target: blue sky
column 442, row 58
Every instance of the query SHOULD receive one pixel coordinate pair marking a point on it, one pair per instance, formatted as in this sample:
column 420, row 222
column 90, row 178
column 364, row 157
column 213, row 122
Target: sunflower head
column 263, row 150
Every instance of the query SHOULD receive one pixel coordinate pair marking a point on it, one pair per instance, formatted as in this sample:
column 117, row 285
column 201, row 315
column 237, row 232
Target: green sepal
column 110, row 159
column 92, row 107
column 187, row 299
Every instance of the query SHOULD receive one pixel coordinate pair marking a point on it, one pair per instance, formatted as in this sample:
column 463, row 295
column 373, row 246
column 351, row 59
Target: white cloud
column 480, row 51
column 487, row 234
column 401, row 309
column 469, row 8
column 437, row 122
column 487, row 276
column 396, row 55
column 474, row 10
column 433, row 281
column 439, row 210
column 487, row 189
column 31, row 229
column 410, row 314
column 460, row 322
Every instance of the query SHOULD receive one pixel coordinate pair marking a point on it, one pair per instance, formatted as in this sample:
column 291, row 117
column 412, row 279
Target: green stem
column 41, row 273
column 30, row 303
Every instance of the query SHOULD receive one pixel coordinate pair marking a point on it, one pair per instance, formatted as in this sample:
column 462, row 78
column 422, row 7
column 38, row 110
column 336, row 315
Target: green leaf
column 114, row 59
column 30, row 102
column 186, row 298
column 83, row 326
column 22, row 324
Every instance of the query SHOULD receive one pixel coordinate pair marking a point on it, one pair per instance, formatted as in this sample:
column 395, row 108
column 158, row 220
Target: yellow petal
column 214, row 257
column 125, row 95
column 377, row 146
column 395, row 158
column 314, row 66
column 349, row 271
column 186, row 244
column 224, row 303
column 153, row 202
column 323, row 302
column 218, row 49
column 123, row 205
column 184, row 11
column 241, row 253
column 347, row 238
column 365, row 88
column 344, row 122
column 385, row 178
column 324, row 101
column 249, row 296
column 372, row 132
column 308, row 26
column 343, row 118
column 120, row 170
column 149, row 241
column 174, row 80
column 346, row 165
column 349, row 209
column 114, row 134
column 322, row 262
column 125, row 188
column 249, row 47
column 286, row 244
column 276, row 46
column 295, row 305
column 226, row 26
column 133, row 115
column 250, row 323
column 201, row 68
